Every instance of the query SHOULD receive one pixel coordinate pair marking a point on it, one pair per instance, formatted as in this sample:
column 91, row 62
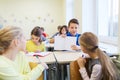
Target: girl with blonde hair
column 13, row 64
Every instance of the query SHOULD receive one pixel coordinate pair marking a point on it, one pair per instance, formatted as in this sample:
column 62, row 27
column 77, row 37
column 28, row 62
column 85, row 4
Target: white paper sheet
column 64, row 43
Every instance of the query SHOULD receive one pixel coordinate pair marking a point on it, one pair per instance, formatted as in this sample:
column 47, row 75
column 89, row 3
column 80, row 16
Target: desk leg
column 45, row 75
column 68, row 71
column 62, row 72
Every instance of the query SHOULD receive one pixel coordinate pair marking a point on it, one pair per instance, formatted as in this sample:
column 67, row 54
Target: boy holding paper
column 72, row 31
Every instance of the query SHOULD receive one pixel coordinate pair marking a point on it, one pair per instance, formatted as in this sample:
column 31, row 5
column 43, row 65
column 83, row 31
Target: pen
column 40, row 62
column 38, row 59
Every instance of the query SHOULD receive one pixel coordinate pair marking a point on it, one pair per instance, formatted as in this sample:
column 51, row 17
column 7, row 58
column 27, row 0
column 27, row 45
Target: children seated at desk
column 62, row 32
column 35, row 44
column 13, row 64
column 100, row 66
column 43, row 32
column 52, row 38
column 58, row 28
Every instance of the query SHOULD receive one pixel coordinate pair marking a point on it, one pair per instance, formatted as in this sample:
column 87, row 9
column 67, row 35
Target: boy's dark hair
column 73, row 21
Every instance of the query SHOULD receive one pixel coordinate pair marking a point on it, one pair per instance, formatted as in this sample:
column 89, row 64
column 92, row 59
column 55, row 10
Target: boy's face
column 73, row 27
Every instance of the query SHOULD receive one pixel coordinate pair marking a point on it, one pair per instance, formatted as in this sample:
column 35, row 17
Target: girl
column 63, row 31
column 100, row 66
column 12, row 41
column 35, row 44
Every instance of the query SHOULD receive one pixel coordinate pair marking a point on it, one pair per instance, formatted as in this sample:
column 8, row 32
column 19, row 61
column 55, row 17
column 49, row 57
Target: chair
column 32, row 65
column 74, row 71
column 116, row 61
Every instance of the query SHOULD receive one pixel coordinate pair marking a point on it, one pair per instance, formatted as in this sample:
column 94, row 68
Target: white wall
column 29, row 13
column 78, row 13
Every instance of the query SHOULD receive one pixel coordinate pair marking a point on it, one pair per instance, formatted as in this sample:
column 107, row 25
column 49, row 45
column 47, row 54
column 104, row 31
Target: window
column 107, row 15
column 69, row 10
column 101, row 18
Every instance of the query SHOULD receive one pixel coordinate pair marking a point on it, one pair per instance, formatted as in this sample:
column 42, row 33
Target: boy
column 72, row 31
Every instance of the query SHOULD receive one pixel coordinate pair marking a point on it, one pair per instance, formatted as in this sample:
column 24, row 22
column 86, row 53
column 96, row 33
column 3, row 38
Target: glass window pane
column 108, row 18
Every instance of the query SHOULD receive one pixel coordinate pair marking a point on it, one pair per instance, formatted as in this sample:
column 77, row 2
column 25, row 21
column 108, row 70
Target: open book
column 64, row 43
column 40, row 54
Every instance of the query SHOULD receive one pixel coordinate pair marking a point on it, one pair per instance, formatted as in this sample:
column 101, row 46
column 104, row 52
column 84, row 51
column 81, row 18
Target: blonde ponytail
column 7, row 34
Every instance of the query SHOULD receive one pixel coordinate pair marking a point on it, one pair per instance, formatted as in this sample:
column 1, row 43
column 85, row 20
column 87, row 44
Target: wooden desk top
column 61, row 56
column 47, row 59
column 67, row 57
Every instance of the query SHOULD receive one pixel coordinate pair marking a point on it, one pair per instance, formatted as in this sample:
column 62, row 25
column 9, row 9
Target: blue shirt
column 77, row 35
column 55, row 34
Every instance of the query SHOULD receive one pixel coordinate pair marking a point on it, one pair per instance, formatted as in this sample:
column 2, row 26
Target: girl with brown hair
column 100, row 66
column 35, row 44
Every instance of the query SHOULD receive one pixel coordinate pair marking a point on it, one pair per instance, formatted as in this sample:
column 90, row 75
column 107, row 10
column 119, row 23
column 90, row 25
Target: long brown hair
column 90, row 42
column 7, row 34
column 64, row 26
column 37, row 32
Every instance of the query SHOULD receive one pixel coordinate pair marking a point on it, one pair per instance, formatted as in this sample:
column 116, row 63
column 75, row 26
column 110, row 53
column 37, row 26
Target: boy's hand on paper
column 81, row 62
column 75, row 47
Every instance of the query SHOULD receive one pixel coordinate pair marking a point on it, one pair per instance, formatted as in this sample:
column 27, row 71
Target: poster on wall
column 1, row 21
column 1, row 26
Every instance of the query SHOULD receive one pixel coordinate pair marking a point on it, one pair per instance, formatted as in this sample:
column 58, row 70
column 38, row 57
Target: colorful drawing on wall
column 12, row 15
column 48, row 14
column 44, row 20
column 33, row 21
column 0, row 19
column 5, row 21
column 26, row 18
column 20, row 21
column 1, row 26
column 39, row 18
column 14, row 20
column 52, row 20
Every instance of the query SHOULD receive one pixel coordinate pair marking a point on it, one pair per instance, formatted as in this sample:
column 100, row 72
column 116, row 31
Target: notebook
column 64, row 43
column 40, row 54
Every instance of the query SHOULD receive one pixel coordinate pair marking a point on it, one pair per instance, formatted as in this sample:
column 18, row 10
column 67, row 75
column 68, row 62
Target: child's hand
column 37, row 51
column 26, row 52
column 63, row 35
column 81, row 62
column 75, row 47
column 44, row 65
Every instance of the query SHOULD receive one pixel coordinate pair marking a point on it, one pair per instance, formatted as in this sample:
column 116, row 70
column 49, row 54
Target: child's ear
column 15, row 42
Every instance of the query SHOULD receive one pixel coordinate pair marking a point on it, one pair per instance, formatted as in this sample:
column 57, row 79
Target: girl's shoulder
column 42, row 44
column 30, row 42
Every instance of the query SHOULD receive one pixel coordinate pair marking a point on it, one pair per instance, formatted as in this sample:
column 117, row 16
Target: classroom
column 59, row 39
